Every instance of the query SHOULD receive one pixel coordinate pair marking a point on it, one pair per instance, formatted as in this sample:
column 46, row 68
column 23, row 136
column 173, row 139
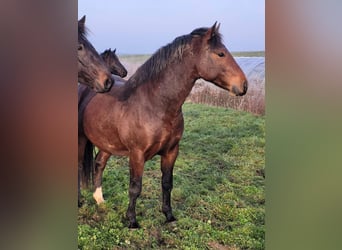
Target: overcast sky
column 142, row 27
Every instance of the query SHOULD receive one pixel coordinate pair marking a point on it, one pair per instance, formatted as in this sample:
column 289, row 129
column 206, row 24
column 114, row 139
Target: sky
column 142, row 27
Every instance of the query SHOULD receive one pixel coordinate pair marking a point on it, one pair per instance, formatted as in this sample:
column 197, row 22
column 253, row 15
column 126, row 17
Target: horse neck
column 175, row 85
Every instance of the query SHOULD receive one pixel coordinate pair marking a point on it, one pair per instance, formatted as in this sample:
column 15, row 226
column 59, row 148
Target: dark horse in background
column 143, row 117
column 113, row 63
column 92, row 70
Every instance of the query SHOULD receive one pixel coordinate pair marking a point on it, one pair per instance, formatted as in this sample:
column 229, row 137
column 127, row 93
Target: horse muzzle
column 240, row 91
column 108, row 83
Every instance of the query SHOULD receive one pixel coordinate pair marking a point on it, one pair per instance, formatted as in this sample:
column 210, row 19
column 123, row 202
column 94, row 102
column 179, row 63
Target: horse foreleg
column 167, row 162
column 136, row 168
column 100, row 164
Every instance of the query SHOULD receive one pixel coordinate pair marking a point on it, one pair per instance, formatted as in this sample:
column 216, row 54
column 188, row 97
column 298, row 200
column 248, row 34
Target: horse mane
column 107, row 51
column 151, row 69
column 163, row 57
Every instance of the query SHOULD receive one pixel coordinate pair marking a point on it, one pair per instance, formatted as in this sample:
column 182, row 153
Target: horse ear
column 217, row 28
column 81, row 22
column 114, row 50
column 212, row 31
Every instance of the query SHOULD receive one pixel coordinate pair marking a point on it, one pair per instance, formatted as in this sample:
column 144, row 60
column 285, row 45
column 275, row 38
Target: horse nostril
column 240, row 92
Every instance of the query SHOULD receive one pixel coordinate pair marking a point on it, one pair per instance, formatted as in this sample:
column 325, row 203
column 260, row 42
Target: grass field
column 218, row 196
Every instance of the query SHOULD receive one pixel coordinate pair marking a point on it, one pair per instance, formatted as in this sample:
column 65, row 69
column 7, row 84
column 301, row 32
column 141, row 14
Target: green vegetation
column 218, row 196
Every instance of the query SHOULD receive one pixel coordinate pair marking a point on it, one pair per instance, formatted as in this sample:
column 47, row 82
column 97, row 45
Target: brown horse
column 113, row 63
column 92, row 70
column 143, row 117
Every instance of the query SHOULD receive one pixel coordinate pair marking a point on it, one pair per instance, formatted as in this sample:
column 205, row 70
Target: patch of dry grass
column 206, row 93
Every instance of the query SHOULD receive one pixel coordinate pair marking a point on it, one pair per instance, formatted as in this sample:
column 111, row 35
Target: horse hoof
column 171, row 218
column 99, row 202
column 101, row 207
column 133, row 225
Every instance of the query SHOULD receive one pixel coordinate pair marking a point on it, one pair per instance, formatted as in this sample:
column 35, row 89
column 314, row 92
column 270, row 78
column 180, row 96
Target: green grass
column 218, row 196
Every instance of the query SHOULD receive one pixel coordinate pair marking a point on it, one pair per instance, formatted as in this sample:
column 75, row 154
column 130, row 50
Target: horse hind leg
column 81, row 148
column 79, row 202
column 100, row 164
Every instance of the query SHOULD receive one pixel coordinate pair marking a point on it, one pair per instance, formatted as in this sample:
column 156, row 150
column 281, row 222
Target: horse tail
column 88, row 164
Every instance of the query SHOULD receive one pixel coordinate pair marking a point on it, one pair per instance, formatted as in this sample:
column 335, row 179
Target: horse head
column 216, row 64
column 113, row 63
column 92, row 70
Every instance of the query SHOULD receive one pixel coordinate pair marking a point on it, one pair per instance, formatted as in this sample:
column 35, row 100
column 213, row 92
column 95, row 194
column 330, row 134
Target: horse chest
column 165, row 137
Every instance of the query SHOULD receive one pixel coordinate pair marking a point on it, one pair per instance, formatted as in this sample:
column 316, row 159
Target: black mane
column 151, row 69
column 107, row 51
column 162, row 58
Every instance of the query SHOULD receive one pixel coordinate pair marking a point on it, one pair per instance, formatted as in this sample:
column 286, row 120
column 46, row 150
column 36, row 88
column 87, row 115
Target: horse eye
column 221, row 54
column 80, row 47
